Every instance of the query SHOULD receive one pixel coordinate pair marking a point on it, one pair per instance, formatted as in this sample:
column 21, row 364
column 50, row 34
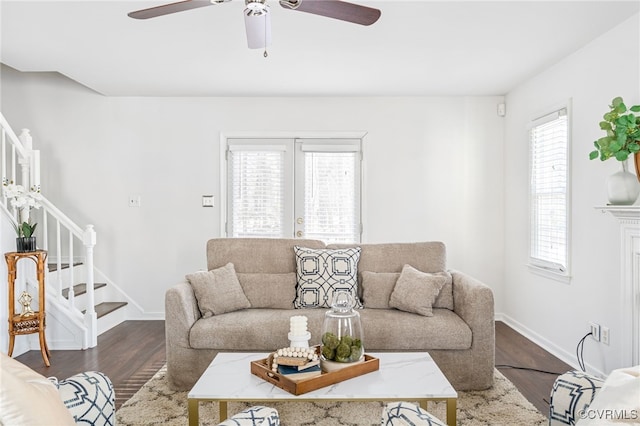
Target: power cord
column 580, row 351
column 579, row 355
column 528, row 369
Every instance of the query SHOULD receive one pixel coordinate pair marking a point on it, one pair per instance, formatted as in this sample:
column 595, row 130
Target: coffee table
column 403, row 376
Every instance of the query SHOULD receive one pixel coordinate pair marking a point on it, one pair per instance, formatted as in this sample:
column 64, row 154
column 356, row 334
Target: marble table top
column 402, row 375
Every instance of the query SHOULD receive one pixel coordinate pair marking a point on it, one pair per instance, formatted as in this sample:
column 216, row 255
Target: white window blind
column 549, row 167
column 294, row 188
column 256, row 184
column 331, row 209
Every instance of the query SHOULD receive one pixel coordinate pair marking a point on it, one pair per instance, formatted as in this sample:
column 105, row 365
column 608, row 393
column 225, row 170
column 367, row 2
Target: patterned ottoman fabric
column 571, row 395
column 407, row 414
column 254, row 416
column 89, row 397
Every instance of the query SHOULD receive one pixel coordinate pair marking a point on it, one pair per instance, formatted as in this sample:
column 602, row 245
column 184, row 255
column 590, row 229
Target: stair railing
column 17, row 155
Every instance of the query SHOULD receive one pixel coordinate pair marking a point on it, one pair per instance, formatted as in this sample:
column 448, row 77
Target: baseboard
column 146, row 316
column 544, row 343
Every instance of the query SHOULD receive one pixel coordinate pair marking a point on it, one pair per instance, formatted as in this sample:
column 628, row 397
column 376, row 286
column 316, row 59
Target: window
column 257, row 186
column 307, row 188
column 549, row 209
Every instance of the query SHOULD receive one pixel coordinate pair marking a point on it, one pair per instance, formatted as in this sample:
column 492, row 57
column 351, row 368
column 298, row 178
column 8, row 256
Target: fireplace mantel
column 629, row 221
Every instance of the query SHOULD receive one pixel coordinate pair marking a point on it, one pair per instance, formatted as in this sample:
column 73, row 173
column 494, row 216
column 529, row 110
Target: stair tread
column 105, row 308
column 54, row 266
column 80, row 289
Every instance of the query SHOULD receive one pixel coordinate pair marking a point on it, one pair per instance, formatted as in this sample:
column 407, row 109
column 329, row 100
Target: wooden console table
column 33, row 323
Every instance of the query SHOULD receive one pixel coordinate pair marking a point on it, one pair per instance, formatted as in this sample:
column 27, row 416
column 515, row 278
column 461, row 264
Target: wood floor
column 134, row 350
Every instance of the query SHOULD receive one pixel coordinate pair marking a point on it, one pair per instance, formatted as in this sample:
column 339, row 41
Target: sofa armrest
column 181, row 312
column 473, row 302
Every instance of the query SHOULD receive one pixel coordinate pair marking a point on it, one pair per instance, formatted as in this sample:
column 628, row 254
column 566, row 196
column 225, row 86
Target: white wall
column 553, row 313
column 433, row 171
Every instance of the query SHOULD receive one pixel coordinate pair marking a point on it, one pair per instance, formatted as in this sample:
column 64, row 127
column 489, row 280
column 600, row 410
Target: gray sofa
column 460, row 336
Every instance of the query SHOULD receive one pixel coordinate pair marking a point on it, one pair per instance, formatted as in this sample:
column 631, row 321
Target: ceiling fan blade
column 167, row 9
column 336, row 9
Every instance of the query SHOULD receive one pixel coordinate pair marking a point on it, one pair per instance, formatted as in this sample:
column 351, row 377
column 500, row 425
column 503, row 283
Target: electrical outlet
column 604, row 335
column 595, row 331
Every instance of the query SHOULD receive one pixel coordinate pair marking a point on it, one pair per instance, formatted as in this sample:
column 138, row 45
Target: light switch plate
column 208, row 201
column 135, row 200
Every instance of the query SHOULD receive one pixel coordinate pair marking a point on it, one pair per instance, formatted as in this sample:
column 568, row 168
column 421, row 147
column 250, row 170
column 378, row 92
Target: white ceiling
column 417, row 47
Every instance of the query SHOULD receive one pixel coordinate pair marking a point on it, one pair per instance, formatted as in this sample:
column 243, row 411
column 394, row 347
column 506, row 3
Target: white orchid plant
column 23, row 201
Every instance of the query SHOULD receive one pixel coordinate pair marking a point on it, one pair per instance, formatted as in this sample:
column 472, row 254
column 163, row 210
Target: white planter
column 623, row 187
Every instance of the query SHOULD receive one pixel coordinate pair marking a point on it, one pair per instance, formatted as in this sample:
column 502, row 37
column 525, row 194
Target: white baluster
column 91, row 318
column 13, row 163
column 25, row 162
column 4, row 157
column 45, row 229
column 72, row 293
column 59, row 257
column 35, row 170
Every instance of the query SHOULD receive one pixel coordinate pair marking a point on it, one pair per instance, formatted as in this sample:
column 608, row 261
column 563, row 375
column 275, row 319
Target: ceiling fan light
column 258, row 28
column 256, row 7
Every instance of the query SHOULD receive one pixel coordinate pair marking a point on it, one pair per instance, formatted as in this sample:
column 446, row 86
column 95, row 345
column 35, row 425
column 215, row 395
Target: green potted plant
column 622, row 140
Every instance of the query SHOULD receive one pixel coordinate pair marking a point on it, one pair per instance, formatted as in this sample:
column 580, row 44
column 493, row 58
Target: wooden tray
column 260, row 369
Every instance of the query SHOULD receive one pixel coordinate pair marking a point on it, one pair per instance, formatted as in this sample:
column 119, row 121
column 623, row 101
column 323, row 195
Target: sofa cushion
column 323, row 272
column 263, row 255
column 275, row 291
column 416, row 291
column 391, row 257
column 377, row 288
column 430, row 256
column 384, row 330
column 28, row 398
column 218, row 291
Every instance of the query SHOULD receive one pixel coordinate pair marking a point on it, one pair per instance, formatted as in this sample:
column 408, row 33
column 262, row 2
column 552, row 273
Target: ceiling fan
column 258, row 20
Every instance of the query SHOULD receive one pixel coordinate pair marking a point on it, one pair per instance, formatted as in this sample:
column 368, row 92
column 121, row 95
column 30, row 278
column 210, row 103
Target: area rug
column 502, row 405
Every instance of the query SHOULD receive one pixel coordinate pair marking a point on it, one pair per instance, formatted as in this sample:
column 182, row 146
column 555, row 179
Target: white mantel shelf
column 626, row 213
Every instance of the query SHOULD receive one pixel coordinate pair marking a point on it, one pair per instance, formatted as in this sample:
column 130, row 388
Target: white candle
column 298, row 325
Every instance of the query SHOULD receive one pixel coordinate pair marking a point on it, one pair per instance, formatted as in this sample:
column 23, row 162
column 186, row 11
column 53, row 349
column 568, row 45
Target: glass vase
column 342, row 335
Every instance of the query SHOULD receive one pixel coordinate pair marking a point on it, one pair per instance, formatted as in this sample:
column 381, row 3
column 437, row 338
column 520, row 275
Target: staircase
column 78, row 307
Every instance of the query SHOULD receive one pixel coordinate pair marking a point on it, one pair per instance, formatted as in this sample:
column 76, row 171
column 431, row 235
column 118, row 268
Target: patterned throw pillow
column 322, row 272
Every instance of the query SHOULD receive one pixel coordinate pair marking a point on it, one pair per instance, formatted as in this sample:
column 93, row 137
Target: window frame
column 546, row 267
column 224, row 141
column 333, row 145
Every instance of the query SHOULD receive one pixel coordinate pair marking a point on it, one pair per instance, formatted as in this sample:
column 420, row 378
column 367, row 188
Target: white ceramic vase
column 623, row 187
